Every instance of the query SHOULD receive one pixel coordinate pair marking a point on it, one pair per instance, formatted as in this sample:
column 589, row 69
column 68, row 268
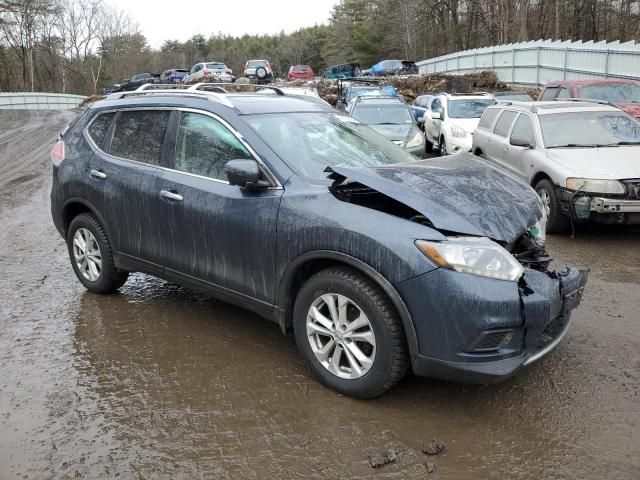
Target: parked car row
column 258, row 70
column 379, row 262
column 579, row 154
column 380, row 69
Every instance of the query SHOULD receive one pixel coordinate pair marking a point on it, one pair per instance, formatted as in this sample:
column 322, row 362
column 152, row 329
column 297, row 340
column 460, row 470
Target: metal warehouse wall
column 540, row 61
column 39, row 101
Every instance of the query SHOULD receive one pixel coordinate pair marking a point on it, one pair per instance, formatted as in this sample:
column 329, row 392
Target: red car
column 300, row 72
column 625, row 94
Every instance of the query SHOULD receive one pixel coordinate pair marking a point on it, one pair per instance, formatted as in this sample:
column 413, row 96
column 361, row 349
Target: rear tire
column 557, row 222
column 378, row 365
column 92, row 257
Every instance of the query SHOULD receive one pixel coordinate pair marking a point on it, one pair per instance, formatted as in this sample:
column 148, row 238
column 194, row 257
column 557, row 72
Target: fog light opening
column 493, row 340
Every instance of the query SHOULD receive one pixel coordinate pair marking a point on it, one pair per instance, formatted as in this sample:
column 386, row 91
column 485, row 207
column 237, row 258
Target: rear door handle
column 176, row 197
column 98, row 174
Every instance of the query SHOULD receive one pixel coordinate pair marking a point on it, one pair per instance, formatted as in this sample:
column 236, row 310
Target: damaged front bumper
column 583, row 207
column 493, row 328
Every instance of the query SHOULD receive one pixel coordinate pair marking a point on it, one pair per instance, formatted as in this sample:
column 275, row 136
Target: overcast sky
column 179, row 20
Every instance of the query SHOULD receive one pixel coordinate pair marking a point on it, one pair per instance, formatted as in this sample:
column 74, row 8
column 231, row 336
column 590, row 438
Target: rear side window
column 504, row 123
column 564, row 93
column 204, row 146
column 549, row 93
column 523, row 127
column 138, row 135
column 488, row 117
column 98, row 128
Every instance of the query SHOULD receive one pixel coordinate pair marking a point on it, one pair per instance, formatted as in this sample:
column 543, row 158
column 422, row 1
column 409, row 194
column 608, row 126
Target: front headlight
column 457, row 131
column 593, row 185
column 415, row 141
column 475, row 255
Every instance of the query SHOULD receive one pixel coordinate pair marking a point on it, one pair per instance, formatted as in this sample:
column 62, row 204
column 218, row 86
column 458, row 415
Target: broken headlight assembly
column 475, row 255
column 594, row 185
column 538, row 232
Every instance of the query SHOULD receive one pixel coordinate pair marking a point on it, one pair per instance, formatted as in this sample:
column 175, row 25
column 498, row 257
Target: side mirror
column 245, row 174
column 435, row 115
column 520, row 141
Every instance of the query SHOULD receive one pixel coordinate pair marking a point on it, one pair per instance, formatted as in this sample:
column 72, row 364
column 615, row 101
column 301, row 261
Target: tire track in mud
column 26, row 137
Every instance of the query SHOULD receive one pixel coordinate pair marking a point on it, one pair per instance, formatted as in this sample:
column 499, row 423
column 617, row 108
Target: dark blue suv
column 376, row 261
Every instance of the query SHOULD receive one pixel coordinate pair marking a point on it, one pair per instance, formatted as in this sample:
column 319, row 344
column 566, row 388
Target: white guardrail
column 39, row 101
column 540, row 61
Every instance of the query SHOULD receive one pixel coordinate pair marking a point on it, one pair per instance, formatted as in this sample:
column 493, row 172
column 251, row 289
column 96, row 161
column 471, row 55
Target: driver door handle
column 176, row 197
column 98, row 174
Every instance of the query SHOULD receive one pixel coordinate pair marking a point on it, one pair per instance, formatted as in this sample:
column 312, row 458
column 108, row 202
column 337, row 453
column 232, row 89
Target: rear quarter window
column 98, row 128
column 138, row 135
column 489, row 115
column 504, row 123
column 549, row 93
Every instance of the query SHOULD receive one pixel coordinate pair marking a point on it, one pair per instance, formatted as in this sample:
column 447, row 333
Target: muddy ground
column 159, row 382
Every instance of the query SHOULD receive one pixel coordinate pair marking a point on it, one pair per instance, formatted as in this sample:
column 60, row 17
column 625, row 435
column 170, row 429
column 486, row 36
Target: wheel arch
column 309, row 263
column 540, row 176
column 73, row 207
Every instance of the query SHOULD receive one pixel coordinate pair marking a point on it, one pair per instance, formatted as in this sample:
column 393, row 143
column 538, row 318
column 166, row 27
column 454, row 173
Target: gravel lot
column 160, row 382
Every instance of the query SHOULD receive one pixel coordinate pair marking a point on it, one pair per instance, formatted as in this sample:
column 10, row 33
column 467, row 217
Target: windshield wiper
column 579, row 145
column 622, row 143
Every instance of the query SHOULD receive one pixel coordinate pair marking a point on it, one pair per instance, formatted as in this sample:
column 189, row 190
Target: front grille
column 633, row 188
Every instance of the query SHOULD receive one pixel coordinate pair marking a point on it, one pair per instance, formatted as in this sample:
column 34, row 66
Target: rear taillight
column 229, row 71
column 57, row 153
column 206, row 72
column 268, row 65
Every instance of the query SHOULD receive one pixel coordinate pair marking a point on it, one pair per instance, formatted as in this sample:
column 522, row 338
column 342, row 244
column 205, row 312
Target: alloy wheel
column 87, row 255
column 341, row 336
column 546, row 200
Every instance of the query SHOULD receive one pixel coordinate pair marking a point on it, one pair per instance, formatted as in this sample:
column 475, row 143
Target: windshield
column 140, row 76
column 383, row 114
column 468, row 108
column 363, row 91
column 256, row 63
column 216, row 66
column 588, row 129
column 311, row 142
column 612, row 92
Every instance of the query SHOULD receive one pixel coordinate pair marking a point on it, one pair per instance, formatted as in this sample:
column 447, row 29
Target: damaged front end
column 491, row 305
column 619, row 209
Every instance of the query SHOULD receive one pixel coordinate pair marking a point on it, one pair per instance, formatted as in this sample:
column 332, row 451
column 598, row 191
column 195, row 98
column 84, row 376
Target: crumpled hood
column 402, row 132
column 459, row 194
column 632, row 109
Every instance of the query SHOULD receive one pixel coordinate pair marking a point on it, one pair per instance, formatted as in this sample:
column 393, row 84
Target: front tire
column 557, row 222
column 442, row 150
column 91, row 255
column 349, row 333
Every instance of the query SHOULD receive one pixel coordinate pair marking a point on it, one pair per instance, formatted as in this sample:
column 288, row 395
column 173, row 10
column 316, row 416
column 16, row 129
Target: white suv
column 450, row 119
column 205, row 69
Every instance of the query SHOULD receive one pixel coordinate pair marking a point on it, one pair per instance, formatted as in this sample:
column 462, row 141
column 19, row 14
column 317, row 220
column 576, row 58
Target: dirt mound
column 412, row 86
